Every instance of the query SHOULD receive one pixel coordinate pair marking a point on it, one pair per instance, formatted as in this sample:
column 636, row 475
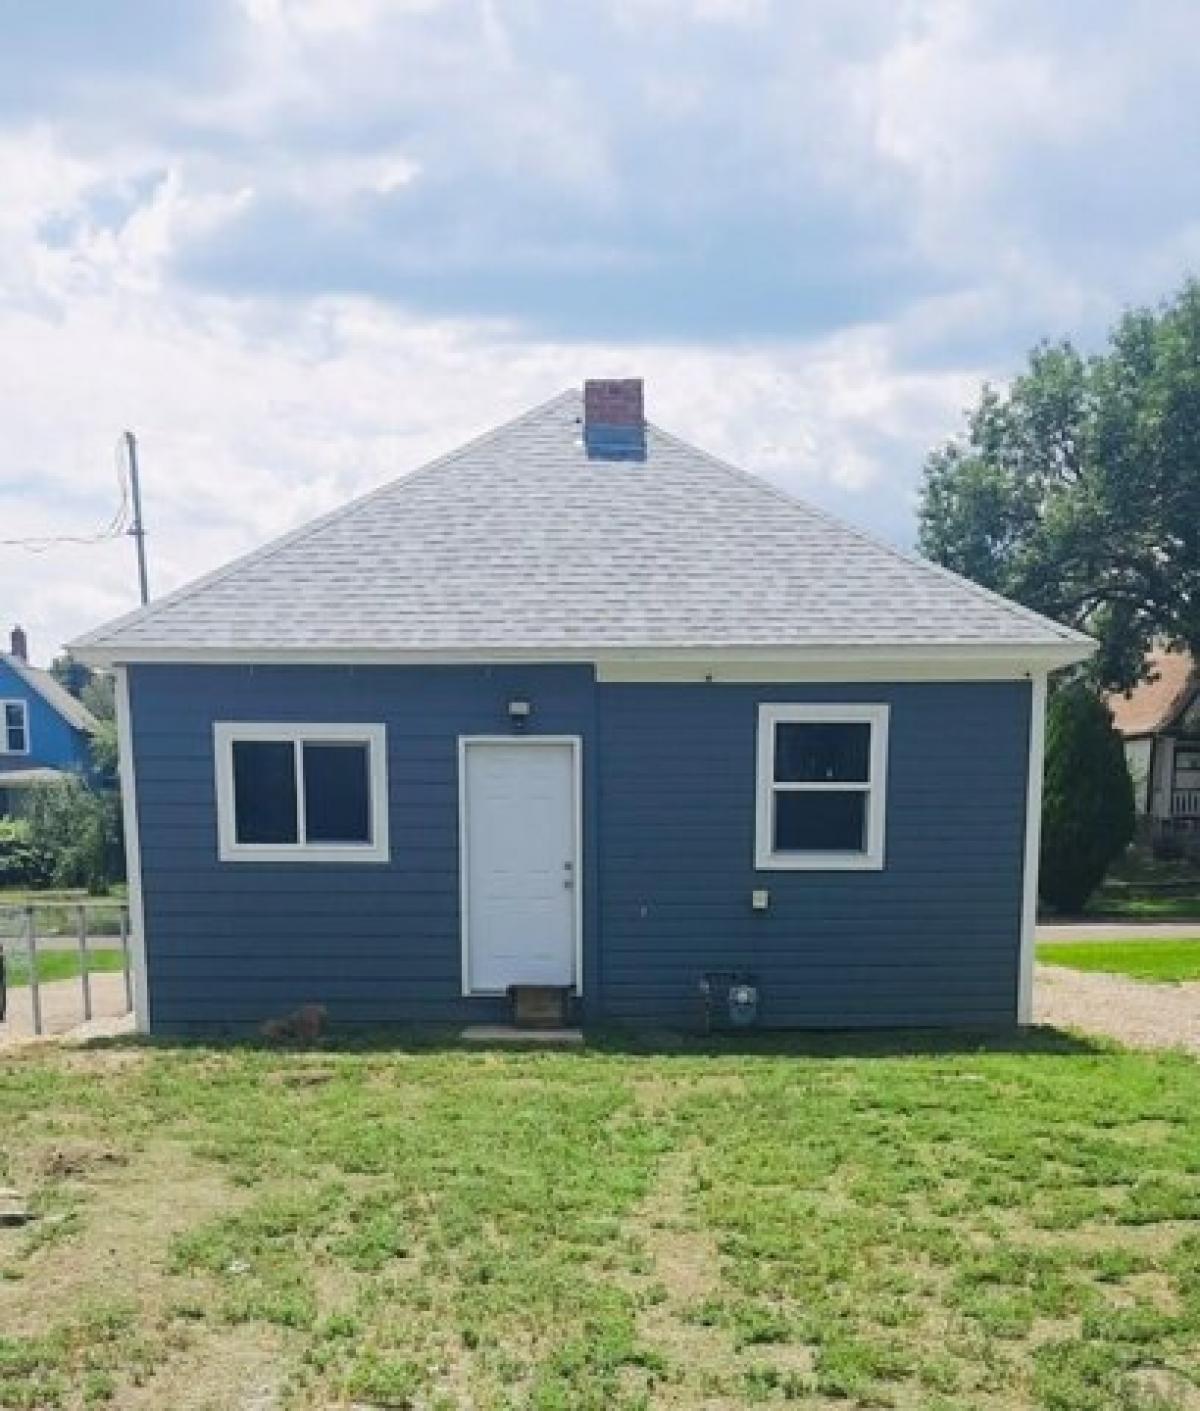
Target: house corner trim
column 1033, row 841
column 133, row 852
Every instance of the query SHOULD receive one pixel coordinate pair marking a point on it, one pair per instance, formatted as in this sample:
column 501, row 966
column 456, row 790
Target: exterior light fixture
column 519, row 713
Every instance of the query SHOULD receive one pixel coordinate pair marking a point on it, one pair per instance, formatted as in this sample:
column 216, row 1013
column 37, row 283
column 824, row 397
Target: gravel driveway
column 62, row 1008
column 1133, row 1012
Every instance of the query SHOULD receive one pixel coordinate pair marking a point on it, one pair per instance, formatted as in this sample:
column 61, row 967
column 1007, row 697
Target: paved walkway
column 62, row 1008
column 1120, row 931
column 1133, row 1012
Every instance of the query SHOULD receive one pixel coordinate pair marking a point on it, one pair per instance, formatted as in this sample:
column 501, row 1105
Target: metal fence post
column 123, row 913
column 35, row 994
column 85, row 979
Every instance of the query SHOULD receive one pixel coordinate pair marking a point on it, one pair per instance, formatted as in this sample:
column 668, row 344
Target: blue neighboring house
column 581, row 706
column 45, row 731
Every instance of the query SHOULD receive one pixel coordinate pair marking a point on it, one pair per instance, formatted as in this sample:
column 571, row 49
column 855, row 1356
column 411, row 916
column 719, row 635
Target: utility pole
column 137, row 528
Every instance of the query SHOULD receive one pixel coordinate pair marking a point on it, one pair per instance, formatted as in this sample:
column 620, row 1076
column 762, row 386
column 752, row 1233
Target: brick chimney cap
column 614, row 401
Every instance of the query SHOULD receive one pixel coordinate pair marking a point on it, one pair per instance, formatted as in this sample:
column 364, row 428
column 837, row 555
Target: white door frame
column 533, row 741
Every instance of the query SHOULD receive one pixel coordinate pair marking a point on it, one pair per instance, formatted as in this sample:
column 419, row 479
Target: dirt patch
column 113, row 1253
column 684, row 1266
column 705, row 1362
column 657, row 1095
column 1159, row 1386
column 235, row 1369
column 73, row 1159
column 301, row 1077
column 102, row 1058
column 685, row 1259
column 1134, row 1012
column 116, row 1245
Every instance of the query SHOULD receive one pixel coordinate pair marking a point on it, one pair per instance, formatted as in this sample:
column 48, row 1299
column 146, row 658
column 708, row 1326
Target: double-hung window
column 822, row 786
column 14, row 727
column 301, row 793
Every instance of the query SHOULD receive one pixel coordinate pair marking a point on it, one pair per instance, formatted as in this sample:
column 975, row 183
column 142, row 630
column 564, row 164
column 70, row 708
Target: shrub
column 79, row 832
column 1087, row 808
column 22, row 863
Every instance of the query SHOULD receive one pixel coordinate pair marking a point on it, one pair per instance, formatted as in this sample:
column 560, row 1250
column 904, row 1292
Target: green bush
column 78, row 831
column 22, row 863
column 1087, row 806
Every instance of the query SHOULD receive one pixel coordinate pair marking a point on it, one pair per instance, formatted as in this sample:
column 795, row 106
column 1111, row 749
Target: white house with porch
column 1160, row 723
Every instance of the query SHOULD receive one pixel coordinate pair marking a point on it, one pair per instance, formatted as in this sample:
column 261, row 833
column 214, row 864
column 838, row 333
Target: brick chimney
column 614, row 421
column 20, row 644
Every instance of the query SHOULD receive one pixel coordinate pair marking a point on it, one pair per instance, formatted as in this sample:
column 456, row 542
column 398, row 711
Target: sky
column 301, row 246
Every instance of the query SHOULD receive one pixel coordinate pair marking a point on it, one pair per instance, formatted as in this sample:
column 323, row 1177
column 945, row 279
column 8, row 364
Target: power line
column 117, row 526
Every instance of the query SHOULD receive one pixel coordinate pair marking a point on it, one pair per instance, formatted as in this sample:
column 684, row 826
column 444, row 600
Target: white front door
column 520, row 863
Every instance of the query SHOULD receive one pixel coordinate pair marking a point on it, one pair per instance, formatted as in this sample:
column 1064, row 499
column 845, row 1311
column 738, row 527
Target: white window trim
column 24, row 708
column 225, row 733
column 872, row 858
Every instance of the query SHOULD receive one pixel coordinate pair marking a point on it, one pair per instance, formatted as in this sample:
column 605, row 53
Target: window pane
column 822, row 753
column 14, row 727
column 264, row 791
column 336, row 794
column 813, row 821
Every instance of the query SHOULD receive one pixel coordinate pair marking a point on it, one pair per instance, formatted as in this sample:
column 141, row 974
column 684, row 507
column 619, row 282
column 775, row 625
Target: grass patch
column 1166, row 961
column 1009, row 1226
column 60, row 964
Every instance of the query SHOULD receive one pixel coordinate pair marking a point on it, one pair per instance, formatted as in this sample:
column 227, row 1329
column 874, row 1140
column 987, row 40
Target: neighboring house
column 580, row 705
column 1160, row 723
column 44, row 730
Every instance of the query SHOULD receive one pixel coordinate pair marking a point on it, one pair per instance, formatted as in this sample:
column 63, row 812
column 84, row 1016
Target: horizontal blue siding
column 53, row 742
column 230, row 944
column 933, row 938
column 668, row 864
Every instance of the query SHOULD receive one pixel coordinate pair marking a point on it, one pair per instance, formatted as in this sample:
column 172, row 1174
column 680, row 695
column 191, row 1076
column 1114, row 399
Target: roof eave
column 1016, row 658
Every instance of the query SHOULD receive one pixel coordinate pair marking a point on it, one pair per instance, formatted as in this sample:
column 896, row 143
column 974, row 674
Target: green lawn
column 1143, row 960
column 604, row 1230
column 58, row 964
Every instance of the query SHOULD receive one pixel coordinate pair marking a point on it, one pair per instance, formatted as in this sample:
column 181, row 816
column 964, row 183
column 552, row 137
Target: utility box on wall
column 729, row 1001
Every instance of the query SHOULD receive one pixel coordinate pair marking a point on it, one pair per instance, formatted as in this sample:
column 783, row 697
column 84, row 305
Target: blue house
column 44, row 730
column 580, row 706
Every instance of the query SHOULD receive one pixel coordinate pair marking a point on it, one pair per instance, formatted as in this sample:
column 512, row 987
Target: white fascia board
column 831, row 662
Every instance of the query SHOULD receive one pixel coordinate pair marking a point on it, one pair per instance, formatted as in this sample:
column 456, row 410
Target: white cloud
column 945, row 179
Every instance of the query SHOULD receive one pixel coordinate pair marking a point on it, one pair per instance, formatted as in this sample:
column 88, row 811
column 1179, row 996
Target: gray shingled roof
column 73, row 711
column 519, row 541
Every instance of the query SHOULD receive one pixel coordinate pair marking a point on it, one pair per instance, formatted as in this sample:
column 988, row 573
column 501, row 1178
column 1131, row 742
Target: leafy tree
column 78, row 831
column 1087, row 807
column 1077, row 490
column 104, row 750
column 22, row 863
column 99, row 697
